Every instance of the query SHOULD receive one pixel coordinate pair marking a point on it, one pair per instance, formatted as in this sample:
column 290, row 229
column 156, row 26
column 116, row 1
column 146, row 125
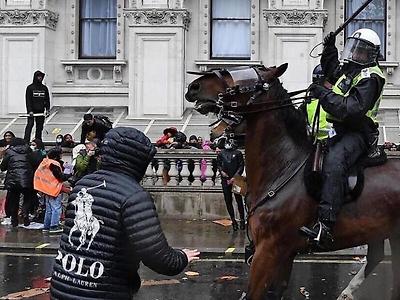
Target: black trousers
column 39, row 128
column 7, row 207
column 227, row 190
column 13, row 198
column 341, row 156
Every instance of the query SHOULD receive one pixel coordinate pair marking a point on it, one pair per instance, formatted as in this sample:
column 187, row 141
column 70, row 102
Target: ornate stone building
column 129, row 59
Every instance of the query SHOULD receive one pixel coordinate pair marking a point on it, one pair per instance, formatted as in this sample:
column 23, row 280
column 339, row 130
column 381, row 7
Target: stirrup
column 318, row 238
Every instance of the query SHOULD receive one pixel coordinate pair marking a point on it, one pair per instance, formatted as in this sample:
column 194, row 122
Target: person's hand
column 31, row 113
column 191, row 254
column 224, row 174
column 90, row 152
column 317, row 91
column 46, row 113
column 229, row 181
column 329, row 40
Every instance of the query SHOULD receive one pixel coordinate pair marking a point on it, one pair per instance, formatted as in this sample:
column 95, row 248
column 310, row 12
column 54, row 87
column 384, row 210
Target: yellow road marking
column 42, row 246
column 229, row 251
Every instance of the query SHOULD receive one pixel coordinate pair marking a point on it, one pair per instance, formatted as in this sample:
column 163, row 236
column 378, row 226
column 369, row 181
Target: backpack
column 105, row 120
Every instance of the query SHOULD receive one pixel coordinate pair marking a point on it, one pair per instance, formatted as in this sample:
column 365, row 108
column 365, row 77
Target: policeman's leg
column 39, row 127
column 227, row 190
column 340, row 158
column 28, row 129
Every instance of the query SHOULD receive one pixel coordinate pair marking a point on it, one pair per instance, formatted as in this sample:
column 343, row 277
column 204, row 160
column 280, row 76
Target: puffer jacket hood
column 37, row 73
column 126, row 150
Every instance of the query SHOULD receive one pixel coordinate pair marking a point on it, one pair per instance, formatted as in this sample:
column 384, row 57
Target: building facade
column 134, row 54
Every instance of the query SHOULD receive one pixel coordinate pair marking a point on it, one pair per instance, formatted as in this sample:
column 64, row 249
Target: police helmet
column 318, row 75
column 362, row 47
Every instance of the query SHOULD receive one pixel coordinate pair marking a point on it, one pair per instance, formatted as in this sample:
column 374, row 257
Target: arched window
column 98, row 21
column 373, row 17
column 231, row 32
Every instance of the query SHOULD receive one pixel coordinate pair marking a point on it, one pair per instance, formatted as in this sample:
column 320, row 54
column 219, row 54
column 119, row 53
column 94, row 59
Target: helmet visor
column 359, row 52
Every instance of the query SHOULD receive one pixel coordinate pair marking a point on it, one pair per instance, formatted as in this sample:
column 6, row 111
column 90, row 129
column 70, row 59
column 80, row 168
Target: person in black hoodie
column 111, row 225
column 19, row 178
column 230, row 163
column 94, row 127
column 37, row 102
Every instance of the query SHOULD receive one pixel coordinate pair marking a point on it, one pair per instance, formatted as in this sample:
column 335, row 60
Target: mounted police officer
column 351, row 107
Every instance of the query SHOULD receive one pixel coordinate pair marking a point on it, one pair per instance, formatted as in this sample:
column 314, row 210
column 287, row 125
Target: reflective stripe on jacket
column 44, row 180
column 365, row 73
column 324, row 126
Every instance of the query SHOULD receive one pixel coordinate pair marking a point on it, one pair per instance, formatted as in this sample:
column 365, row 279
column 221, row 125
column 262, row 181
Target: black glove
column 317, row 91
column 329, row 40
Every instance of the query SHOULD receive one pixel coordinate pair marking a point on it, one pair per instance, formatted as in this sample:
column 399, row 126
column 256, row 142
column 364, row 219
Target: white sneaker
column 6, row 221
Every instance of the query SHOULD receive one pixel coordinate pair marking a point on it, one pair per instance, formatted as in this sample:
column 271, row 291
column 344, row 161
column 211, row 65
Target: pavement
column 211, row 239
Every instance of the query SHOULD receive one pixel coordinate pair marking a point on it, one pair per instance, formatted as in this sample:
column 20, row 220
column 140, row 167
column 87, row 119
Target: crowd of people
column 42, row 177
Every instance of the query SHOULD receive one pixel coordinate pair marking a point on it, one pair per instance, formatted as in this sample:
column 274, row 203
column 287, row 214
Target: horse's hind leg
column 395, row 247
column 374, row 257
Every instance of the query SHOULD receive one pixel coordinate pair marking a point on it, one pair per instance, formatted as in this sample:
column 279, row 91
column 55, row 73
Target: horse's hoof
column 345, row 296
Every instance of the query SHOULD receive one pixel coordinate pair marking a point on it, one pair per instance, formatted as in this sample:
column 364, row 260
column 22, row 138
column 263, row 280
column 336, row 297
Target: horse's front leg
column 268, row 268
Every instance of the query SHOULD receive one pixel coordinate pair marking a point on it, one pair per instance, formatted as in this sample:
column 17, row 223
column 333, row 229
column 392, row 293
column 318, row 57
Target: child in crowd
column 48, row 180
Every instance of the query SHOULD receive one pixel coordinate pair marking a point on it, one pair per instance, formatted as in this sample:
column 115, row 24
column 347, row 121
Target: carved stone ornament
column 159, row 17
column 295, row 17
column 29, row 17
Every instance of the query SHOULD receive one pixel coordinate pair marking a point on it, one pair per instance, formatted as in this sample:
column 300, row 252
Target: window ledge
column 389, row 64
column 101, row 62
column 204, row 65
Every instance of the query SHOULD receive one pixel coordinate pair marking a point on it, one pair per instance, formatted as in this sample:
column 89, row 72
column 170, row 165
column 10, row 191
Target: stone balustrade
column 176, row 171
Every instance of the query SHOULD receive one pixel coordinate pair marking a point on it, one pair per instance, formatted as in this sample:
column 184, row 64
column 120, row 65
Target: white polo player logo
column 84, row 220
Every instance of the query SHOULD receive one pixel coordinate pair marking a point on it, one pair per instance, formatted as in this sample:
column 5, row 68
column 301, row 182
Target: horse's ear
column 281, row 69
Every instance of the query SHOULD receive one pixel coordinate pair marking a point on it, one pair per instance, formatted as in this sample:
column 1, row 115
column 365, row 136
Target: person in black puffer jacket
column 19, row 178
column 111, row 226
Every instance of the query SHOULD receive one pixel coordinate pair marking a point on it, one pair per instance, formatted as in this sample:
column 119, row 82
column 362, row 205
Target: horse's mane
column 293, row 118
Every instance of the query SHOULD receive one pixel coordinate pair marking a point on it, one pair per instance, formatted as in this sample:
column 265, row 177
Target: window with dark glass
column 372, row 17
column 231, row 29
column 98, row 28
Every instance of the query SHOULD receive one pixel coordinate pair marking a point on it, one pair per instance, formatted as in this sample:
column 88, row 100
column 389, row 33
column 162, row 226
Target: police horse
column 277, row 149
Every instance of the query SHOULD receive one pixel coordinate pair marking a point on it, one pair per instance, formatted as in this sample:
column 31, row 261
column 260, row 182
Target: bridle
column 247, row 81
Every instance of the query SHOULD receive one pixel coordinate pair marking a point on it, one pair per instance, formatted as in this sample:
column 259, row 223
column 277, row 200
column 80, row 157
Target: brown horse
column 276, row 147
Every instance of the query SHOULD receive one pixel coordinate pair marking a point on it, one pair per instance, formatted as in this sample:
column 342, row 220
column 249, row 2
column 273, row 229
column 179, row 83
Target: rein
column 273, row 191
column 266, row 106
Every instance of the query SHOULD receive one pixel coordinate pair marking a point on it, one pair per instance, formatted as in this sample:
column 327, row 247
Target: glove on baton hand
column 330, row 39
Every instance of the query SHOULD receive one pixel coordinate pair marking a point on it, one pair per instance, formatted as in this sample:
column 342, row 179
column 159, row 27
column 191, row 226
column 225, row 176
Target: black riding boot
column 373, row 150
column 320, row 235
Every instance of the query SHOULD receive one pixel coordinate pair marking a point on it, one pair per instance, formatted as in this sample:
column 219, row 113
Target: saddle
column 313, row 172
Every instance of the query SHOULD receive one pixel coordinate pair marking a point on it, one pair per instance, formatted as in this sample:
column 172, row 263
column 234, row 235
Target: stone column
column 156, row 58
column 294, row 24
column 26, row 44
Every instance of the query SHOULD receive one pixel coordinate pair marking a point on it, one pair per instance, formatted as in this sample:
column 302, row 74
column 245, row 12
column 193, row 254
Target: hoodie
column 37, row 95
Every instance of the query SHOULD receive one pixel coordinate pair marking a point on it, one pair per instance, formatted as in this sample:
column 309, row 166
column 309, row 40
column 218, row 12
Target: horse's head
column 215, row 90
column 215, row 87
